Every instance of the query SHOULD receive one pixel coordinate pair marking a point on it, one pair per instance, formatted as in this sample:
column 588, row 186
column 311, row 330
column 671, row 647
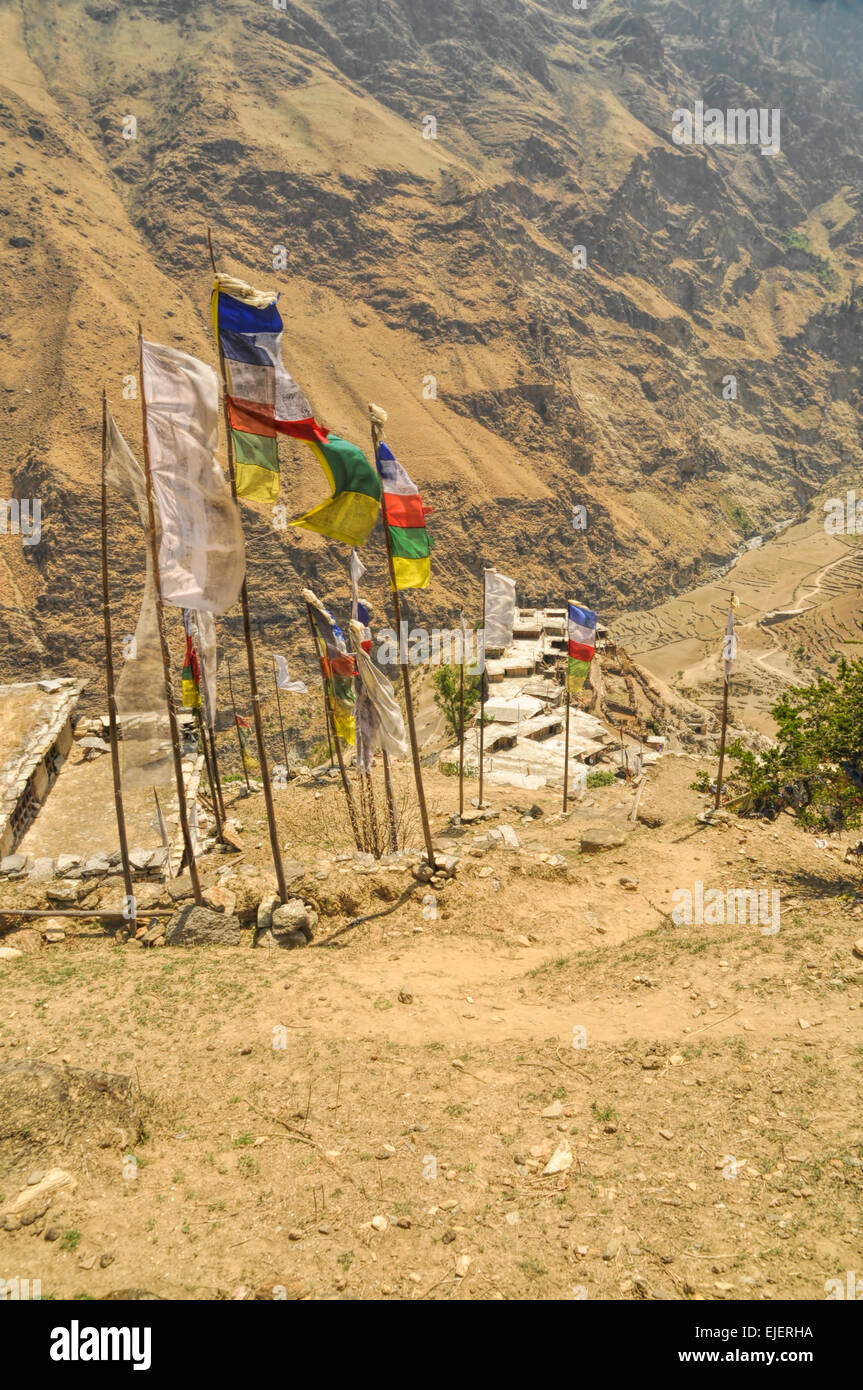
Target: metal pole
column 163, row 642
column 409, row 706
column 250, row 652
column 109, row 674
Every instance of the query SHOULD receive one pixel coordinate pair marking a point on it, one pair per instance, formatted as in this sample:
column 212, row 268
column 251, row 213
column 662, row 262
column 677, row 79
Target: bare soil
column 704, row 1078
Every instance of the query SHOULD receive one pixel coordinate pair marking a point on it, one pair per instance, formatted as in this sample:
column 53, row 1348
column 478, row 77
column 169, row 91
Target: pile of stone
column 146, row 863
column 287, row 925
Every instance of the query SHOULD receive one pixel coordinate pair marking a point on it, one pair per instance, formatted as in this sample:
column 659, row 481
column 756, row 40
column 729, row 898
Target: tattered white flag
column 202, row 557
column 729, row 645
column 283, row 679
column 379, row 719
column 358, row 569
column 499, row 609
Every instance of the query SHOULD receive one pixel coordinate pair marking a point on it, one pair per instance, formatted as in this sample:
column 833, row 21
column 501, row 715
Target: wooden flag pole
column 391, row 802
column 352, row 810
column 461, row 726
column 250, row 651
column 363, row 797
column 209, row 731
column 237, row 727
column 109, row 674
column 163, row 830
column 207, row 763
column 216, row 774
column 483, row 683
column 377, row 431
column 281, row 721
column 566, row 747
column 371, row 813
column 327, row 723
column 163, row 642
column 722, row 746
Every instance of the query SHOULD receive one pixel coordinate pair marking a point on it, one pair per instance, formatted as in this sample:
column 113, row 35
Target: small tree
column 446, row 697
column 816, row 765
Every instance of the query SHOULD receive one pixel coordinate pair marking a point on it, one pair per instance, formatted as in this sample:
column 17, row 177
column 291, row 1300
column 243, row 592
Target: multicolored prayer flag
column 337, row 665
column 191, row 678
column 265, row 401
column 364, row 618
column 582, row 641
column 405, row 517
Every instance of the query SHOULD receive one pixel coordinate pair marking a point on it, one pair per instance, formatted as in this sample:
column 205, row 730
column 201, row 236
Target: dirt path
column 700, row 1081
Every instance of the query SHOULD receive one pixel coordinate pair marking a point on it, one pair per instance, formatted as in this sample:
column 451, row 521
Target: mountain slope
column 450, row 258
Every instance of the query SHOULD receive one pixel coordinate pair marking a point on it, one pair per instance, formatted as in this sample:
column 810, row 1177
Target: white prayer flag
column 142, row 710
column 729, row 646
column 358, row 569
column 499, row 609
column 283, row 679
column 201, row 552
column 379, row 719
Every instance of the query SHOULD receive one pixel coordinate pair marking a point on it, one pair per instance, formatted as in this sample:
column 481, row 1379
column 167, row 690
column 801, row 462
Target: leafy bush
column 446, row 696
column 815, row 768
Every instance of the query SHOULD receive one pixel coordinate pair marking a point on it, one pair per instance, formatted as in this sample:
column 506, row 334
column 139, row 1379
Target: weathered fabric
column 729, row 646
column 142, row 711
column 499, row 609
column 200, row 666
column 581, row 634
column 265, row 401
column 283, row 679
column 202, row 558
column 337, row 665
column 406, row 522
column 378, row 712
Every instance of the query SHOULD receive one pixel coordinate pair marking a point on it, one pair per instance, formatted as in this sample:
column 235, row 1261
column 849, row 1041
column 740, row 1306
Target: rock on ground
column 199, row 926
column 601, row 837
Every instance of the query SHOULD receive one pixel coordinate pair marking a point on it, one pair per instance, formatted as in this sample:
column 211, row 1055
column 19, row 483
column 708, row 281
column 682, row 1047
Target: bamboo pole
column 352, row 810
column 237, row 727
column 377, row 431
column 109, row 675
column 483, row 684
column 247, row 633
column 281, row 721
column 163, row 642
